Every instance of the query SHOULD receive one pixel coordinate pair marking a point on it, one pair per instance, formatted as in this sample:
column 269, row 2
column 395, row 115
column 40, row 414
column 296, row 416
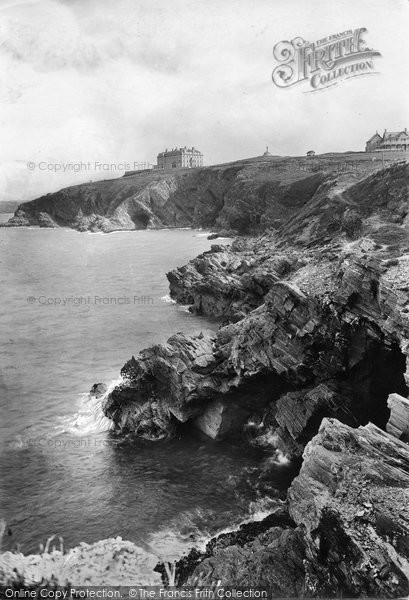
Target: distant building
column 267, row 153
column 390, row 141
column 179, row 157
column 311, row 153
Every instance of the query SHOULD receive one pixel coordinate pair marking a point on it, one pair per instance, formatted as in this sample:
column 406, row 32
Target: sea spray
column 188, row 530
column 194, row 529
column 90, row 417
column 167, row 299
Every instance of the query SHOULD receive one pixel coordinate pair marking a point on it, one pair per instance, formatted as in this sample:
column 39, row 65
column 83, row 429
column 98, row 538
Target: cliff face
column 312, row 359
column 351, row 501
column 315, row 330
column 348, row 533
column 340, row 322
column 314, row 341
column 248, row 196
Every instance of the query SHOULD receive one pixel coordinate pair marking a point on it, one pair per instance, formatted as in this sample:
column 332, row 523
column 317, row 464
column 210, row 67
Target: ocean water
column 74, row 308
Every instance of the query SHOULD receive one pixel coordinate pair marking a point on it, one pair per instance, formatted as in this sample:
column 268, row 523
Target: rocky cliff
column 248, row 196
column 311, row 360
column 346, row 531
column 313, row 329
column 315, row 339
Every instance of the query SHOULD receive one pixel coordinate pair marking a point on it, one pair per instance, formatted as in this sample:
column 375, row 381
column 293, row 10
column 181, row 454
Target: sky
column 96, row 81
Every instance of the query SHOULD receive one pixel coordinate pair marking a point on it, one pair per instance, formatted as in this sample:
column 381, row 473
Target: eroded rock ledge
column 350, row 530
column 303, row 311
column 315, row 339
column 330, row 339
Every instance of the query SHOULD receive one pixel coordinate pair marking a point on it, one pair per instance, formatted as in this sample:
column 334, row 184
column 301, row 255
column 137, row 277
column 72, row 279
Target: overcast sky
column 97, row 80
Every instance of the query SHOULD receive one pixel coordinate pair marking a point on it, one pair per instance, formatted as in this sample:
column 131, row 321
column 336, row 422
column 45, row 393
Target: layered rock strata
column 349, row 534
column 246, row 196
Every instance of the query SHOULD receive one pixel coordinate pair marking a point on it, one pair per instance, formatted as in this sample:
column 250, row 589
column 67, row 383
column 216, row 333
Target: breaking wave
column 168, row 300
column 90, row 417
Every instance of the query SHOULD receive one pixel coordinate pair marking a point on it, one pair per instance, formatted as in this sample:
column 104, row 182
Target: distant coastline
column 247, row 196
column 8, row 206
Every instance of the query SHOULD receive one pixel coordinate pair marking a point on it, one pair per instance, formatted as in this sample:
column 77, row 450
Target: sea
column 74, row 308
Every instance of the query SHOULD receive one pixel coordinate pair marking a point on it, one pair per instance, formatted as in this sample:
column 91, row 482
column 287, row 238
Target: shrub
column 352, row 224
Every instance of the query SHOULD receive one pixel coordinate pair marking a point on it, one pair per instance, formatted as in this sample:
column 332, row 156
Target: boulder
column 221, row 419
column 98, row 390
column 398, row 424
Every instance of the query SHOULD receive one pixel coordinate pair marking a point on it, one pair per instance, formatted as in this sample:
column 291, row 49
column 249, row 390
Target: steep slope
column 247, row 196
column 228, row 282
column 312, row 354
column 321, row 329
column 349, row 530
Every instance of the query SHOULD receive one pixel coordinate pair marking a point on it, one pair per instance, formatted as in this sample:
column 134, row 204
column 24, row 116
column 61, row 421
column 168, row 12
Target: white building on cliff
column 390, row 141
column 179, row 158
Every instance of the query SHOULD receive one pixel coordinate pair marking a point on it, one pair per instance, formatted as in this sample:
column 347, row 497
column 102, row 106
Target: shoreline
column 311, row 353
column 291, row 315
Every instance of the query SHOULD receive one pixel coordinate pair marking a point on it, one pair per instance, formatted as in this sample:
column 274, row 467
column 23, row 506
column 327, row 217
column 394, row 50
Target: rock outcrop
column 398, row 424
column 291, row 421
column 315, row 339
column 269, row 553
column 349, row 534
column 335, row 321
column 108, row 562
column 246, row 196
column 351, row 501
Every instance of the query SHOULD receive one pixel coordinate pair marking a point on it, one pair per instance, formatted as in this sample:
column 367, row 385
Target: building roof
column 177, row 151
column 375, row 135
column 388, row 135
column 394, row 134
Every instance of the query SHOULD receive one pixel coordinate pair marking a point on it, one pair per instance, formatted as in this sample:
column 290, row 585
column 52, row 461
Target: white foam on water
column 262, row 508
column 271, row 440
column 258, row 510
column 168, row 300
column 183, row 533
column 184, row 307
column 187, row 531
column 90, row 417
column 280, row 458
column 18, row 443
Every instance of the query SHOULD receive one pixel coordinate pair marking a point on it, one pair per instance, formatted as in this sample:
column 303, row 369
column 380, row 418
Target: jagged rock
column 398, row 424
column 44, row 220
column 163, row 385
column 306, row 332
column 350, row 530
column 351, row 500
column 290, row 422
column 221, row 419
column 98, row 390
column 230, row 281
column 265, row 553
column 316, row 325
